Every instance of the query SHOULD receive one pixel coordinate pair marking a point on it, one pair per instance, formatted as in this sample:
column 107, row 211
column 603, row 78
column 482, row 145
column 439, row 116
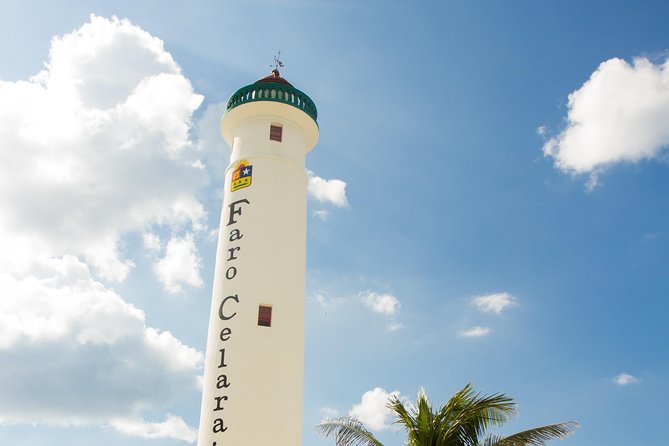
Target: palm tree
column 463, row 421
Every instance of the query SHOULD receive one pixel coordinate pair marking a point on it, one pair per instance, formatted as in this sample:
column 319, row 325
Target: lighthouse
column 254, row 362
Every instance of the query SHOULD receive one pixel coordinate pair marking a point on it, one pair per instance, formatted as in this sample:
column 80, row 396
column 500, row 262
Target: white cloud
column 173, row 427
column 97, row 145
column 321, row 214
column 328, row 191
column 151, row 241
column 329, row 412
column 625, row 379
column 494, row 303
column 73, row 352
column 328, row 302
column 394, row 326
column 475, row 332
column 619, row 115
column 210, row 144
column 386, row 304
column 181, row 265
column 372, row 410
column 212, row 235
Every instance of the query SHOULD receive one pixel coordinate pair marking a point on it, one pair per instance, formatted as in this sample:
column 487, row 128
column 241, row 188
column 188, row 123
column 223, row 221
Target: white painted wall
column 263, row 365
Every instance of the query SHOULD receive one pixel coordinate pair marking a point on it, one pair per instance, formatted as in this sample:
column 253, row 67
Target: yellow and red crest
column 241, row 176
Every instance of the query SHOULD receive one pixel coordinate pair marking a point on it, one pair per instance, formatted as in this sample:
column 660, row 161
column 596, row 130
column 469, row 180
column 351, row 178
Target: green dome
column 277, row 89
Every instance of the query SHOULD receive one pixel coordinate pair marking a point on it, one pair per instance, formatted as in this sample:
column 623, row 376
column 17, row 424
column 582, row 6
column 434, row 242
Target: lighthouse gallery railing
column 274, row 92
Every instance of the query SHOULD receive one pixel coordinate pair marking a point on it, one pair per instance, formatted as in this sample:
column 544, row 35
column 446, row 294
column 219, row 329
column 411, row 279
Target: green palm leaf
column 534, row 437
column 407, row 418
column 463, row 421
column 467, row 415
column 348, row 431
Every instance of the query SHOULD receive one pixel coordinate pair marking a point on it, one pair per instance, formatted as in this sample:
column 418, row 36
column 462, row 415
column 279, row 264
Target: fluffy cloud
column 475, row 332
column 619, row 115
column 151, row 242
column 172, row 427
column 494, row 303
column 372, row 410
column 181, row 265
column 72, row 351
column 321, row 214
column 328, row 302
column 96, row 145
column 386, row 304
column 625, row 379
column 327, row 191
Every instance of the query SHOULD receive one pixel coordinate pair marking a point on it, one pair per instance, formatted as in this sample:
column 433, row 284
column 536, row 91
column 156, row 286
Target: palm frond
column 467, row 415
column 405, row 417
column 347, row 431
column 537, row 436
column 490, row 440
column 463, row 421
column 417, row 419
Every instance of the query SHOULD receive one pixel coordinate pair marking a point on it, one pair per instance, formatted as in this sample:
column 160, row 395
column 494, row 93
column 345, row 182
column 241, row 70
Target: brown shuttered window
column 275, row 132
column 265, row 316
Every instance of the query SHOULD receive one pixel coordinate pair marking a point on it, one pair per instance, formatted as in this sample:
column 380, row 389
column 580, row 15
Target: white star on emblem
column 245, row 171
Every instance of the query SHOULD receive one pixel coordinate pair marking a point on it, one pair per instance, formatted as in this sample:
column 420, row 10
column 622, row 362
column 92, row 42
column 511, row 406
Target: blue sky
column 487, row 205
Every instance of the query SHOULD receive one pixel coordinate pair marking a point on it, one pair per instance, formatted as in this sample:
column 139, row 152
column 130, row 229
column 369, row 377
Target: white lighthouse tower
column 254, row 363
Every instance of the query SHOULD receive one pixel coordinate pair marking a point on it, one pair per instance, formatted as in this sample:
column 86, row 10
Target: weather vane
column 277, row 62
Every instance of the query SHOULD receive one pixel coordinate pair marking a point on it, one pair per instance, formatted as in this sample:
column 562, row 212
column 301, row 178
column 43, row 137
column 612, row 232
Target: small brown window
column 265, row 316
column 275, row 132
